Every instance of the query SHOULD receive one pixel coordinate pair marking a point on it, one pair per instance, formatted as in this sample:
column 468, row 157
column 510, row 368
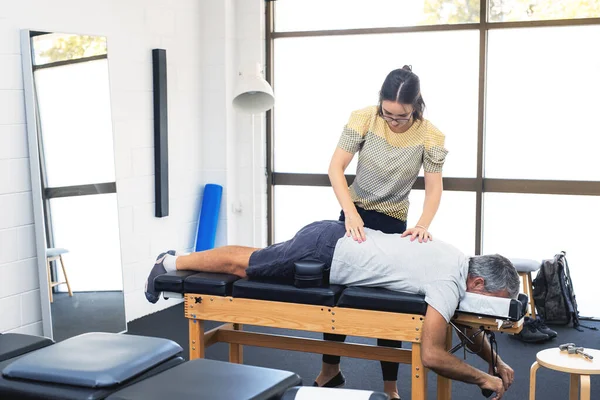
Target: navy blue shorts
column 313, row 242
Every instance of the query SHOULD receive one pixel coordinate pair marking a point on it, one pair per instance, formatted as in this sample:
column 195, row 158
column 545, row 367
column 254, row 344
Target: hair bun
column 407, row 68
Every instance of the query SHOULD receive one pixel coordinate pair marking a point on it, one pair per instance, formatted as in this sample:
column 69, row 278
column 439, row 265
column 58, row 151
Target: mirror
column 67, row 101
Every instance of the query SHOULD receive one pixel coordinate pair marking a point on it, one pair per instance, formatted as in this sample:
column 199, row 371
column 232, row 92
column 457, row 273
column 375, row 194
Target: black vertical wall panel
column 161, row 133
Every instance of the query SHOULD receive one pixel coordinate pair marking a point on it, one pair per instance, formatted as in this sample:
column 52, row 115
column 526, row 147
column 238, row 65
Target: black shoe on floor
column 539, row 324
column 530, row 333
column 337, row 381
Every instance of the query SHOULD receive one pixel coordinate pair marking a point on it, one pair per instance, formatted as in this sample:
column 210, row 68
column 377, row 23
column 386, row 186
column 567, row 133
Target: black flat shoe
column 337, row 381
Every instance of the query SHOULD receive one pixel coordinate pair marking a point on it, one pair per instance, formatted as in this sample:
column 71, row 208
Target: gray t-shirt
column 436, row 269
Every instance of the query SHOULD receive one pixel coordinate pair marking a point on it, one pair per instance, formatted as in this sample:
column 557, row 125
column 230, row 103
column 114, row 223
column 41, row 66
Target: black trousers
column 386, row 224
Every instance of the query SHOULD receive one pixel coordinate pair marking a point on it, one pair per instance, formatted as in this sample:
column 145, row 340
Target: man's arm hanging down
column 435, row 356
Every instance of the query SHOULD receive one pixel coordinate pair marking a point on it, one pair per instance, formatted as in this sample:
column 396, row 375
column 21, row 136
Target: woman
column 393, row 142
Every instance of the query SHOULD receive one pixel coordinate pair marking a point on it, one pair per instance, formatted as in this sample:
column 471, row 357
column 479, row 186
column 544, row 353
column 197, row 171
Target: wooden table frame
column 236, row 312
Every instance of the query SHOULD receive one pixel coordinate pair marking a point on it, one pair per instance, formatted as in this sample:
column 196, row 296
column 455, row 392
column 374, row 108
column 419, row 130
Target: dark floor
column 87, row 312
column 362, row 374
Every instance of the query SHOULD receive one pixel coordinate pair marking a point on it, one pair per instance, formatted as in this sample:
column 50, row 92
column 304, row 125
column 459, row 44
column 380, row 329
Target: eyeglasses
column 399, row 121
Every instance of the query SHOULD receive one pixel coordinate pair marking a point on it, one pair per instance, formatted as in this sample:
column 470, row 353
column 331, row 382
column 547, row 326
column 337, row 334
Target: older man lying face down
column 436, row 269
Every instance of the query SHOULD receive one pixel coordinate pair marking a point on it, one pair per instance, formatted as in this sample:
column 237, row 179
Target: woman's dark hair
column 403, row 86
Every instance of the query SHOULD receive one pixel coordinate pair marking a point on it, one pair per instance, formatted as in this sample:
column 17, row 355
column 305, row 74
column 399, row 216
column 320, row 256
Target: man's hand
column 435, row 357
column 506, row 373
column 494, row 384
column 483, row 349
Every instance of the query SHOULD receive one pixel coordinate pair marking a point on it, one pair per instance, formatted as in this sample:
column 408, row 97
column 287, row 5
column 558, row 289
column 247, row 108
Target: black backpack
column 554, row 294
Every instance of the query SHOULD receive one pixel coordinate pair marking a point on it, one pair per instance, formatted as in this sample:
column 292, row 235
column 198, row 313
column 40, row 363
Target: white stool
column 524, row 268
column 574, row 364
column 53, row 254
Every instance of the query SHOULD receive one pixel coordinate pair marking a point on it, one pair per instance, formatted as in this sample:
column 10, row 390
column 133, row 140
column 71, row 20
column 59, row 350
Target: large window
column 312, row 67
column 512, row 84
column 302, row 205
column 455, row 220
column 541, row 111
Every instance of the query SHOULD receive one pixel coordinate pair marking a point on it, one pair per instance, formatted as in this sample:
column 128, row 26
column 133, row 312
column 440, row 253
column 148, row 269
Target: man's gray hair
column 497, row 272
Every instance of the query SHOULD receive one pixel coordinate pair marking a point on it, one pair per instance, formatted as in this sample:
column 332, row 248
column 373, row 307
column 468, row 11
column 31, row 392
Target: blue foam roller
column 209, row 217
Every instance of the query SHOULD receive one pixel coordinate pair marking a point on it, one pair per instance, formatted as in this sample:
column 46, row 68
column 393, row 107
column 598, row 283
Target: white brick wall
column 250, row 45
column 208, row 142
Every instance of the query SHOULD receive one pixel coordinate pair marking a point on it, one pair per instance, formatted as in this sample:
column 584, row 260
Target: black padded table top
column 94, row 359
column 210, row 283
column 16, row 344
column 210, row 379
column 195, row 282
column 333, row 295
column 30, row 390
column 378, row 299
column 320, row 296
column 172, row 281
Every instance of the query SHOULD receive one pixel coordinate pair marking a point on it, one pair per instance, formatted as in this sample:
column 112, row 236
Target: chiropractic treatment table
column 354, row 311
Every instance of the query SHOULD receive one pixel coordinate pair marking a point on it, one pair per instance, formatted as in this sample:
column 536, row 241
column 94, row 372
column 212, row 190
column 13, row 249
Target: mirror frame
column 36, row 182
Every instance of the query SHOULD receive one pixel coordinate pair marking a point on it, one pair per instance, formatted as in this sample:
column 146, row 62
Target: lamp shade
column 253, row 94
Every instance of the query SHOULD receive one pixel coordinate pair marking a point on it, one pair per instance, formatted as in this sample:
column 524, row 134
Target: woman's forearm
column 433, row 197
column 340, row 188
column 430, row 207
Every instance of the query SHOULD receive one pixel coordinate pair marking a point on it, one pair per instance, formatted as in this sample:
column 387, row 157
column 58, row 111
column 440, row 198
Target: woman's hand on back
column 418, row 232
column 355, row 226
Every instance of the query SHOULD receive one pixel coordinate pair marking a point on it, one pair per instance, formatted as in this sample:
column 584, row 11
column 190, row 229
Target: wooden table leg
column 574, row 387
column 585, row 387
column 444, row 388
column 236, row 353
column 419, row 374
column 196, row 339
column 532, row 376
column 444, row 385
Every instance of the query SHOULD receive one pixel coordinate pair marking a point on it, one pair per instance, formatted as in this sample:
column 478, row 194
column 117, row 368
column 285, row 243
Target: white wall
column 208, row 142
column 234, row 41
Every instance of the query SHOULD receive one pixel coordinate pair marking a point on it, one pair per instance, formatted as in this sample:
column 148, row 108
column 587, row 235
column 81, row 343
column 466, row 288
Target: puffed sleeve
column 353, row 135
column 435, row 152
